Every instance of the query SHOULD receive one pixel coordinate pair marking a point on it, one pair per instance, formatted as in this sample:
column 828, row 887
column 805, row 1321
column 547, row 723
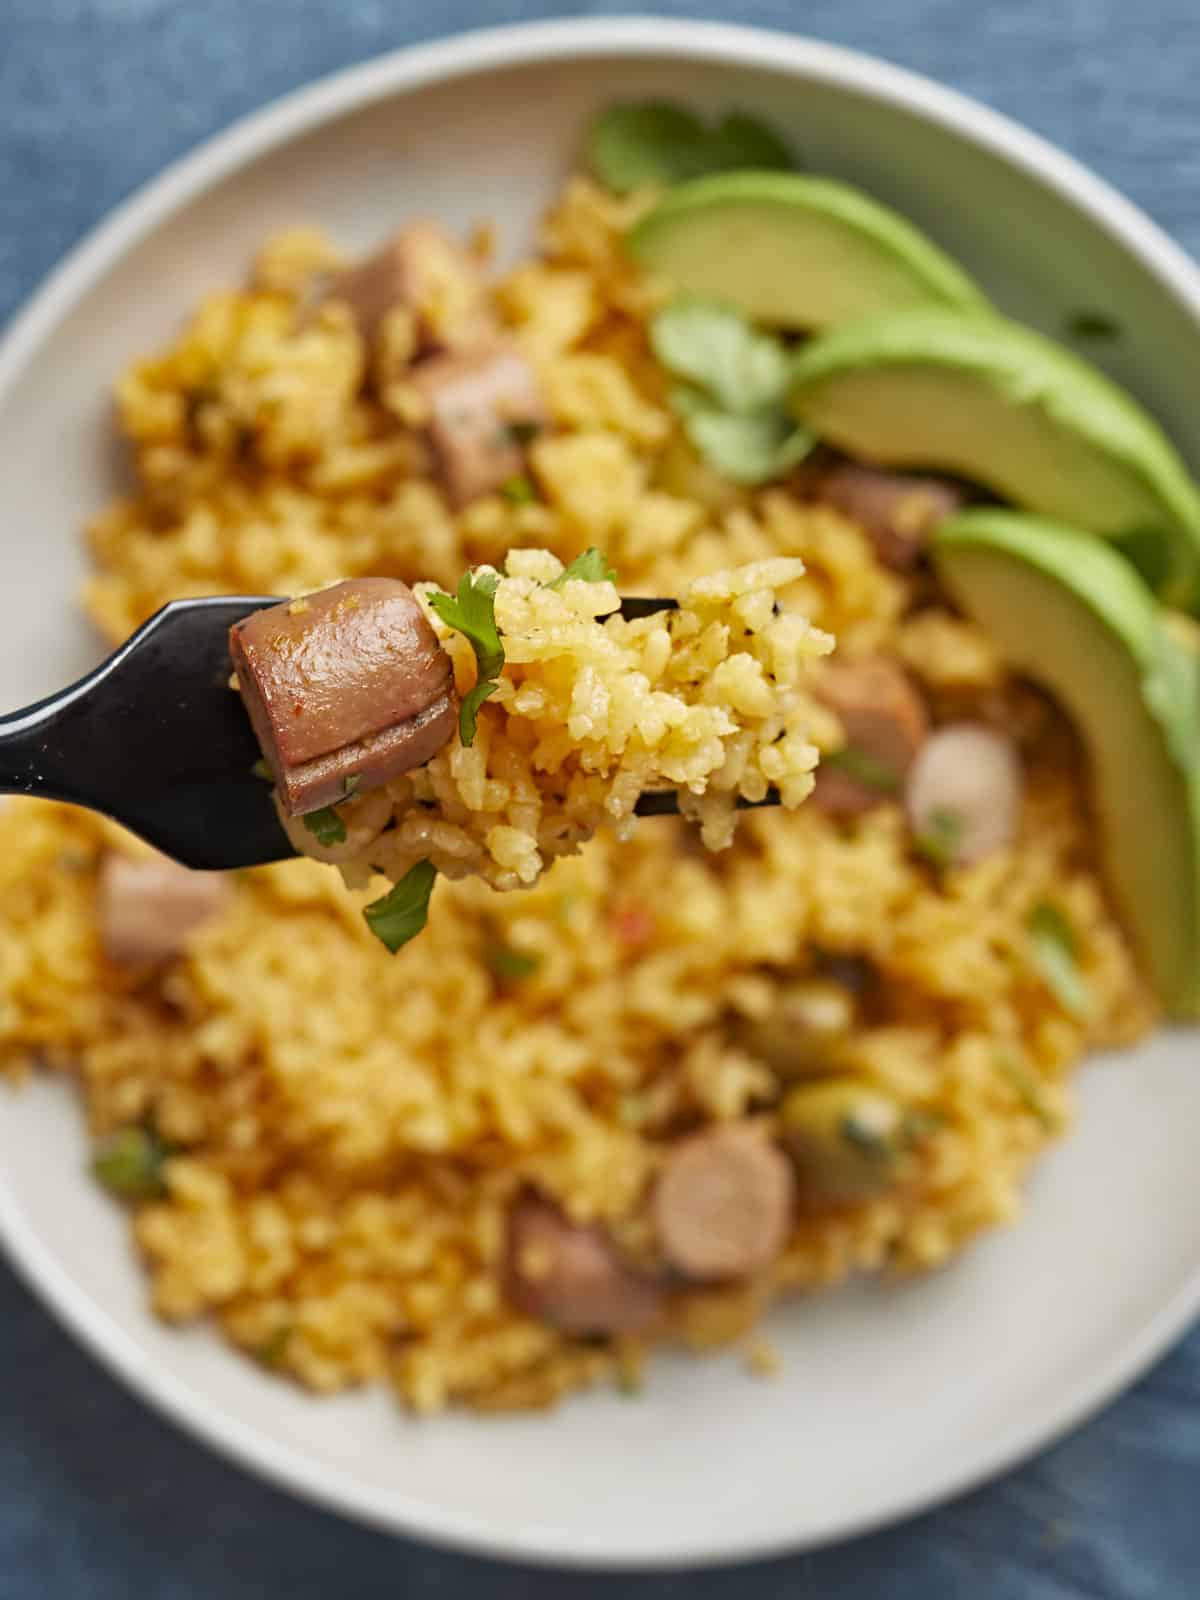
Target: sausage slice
column 425, row 270
column 350, row 683
column 570, row 1275
column 963, row 794
column 898, row 512
column 885, row 722
column 483, row 404
column 149, row 908
column 723, row 1203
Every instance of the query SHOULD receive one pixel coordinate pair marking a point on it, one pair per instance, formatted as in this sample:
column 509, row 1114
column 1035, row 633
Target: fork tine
column 665, row 803
column 634, row 607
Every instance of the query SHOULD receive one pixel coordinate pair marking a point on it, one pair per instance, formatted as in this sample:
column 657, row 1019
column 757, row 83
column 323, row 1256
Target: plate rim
column 301, row 111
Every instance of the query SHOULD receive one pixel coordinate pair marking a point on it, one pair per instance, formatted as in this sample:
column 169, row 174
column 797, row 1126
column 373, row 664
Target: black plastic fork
column 156, row 739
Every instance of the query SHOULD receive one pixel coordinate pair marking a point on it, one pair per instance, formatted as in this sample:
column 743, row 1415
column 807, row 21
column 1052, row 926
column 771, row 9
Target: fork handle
column 35, row 746
column 155, row 739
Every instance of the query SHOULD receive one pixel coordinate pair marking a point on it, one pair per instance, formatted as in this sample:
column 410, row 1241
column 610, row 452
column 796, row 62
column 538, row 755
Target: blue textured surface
column 99, row 1500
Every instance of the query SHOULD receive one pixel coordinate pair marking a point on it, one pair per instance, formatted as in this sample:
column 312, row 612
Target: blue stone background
column 99, row 1500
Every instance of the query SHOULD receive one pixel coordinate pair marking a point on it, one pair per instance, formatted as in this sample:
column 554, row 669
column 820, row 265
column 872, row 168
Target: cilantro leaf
column 645, row 142
column 472, row 612
column 921, row 1123
column 273, row 1348
column 591, row 565
column 869, row 1141
column 509, row 963
column 1092, row 325
column 732, row 405
column 1055, row 955
column 522, row 432
column 739, row 142
column 261, row 769
column 325, row 825
column 739, row 368
column 130, row 1164
column 863, row 768
column 940, row 838
column 744, row 449
column 656, row 142
column 468, row 711
column 1024, row 1086
column 519, row 491
column 399, row 915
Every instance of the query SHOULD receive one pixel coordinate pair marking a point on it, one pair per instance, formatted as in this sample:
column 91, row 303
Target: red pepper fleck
column 632, row 926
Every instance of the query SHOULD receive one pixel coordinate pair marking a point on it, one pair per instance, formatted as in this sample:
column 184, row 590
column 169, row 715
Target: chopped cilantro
column 863, row 768
column 326, row 827
column 400, row 914
column 130, row 1164
column 520, row 491
column 940, row 838
column 1026, row 1091
column 274, row 1347
column 920, row 1123
column 509, row 963
column 592, row 566
column 1093, row 325
column 522, row 433
column 869, row 1141
column 631, row 1108
column 352, row 783
column 472, row 612
column 1052, row 942
column 260, row 769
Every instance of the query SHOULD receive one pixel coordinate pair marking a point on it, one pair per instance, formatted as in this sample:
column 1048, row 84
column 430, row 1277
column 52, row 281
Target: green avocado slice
column 794, row 251
column 994, row 402
column 1066, row 610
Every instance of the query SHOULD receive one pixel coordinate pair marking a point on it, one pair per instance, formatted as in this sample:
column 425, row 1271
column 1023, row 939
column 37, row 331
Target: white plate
column 889, row 1399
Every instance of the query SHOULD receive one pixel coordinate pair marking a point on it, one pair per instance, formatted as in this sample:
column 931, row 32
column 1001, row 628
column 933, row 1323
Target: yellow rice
column 350, row 1125
column 589, row 713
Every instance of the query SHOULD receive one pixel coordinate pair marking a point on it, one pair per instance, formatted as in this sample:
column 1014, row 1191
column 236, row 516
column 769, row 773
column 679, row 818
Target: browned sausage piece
column 963, row 794
column 885, row 722
column 571, row 1276
column 148, row 908
column 723, row 1203
column 482, row 406
column 348, row 683
column 425, row 270
column 898, row 512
